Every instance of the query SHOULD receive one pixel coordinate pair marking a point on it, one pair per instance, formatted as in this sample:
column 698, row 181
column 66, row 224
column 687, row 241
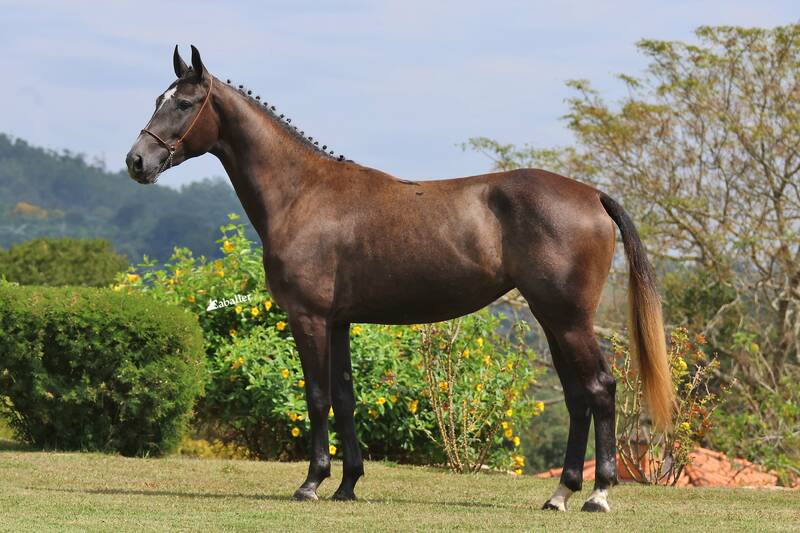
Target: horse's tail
column 647, row 343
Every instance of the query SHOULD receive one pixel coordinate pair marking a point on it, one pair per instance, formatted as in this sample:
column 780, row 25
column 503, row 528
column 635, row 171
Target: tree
column 705, row 152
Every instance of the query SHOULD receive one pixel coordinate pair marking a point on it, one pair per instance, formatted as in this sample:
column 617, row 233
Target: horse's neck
column 267, row 166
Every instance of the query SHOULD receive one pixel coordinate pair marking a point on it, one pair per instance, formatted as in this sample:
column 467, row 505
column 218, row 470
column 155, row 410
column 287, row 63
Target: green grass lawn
column 78, row 492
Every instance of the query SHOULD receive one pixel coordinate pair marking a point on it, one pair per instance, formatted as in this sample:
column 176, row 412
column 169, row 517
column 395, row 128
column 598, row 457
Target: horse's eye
column 184, row 104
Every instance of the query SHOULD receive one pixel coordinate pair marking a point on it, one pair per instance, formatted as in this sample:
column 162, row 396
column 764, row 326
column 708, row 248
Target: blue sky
column 395, row 85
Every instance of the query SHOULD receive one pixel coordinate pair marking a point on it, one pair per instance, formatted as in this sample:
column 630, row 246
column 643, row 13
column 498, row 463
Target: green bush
column 59, row 262
column 91, row 369
column 255, row 395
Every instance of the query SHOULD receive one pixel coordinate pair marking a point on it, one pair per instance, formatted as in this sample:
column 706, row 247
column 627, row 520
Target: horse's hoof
column 304, row 495
column 549, row 506
column 344, row 496
column 594, row 507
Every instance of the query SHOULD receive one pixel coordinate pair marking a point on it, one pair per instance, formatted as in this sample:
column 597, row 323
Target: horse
column 344, row 243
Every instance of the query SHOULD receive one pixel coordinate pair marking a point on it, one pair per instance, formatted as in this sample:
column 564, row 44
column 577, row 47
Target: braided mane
column 286, row 123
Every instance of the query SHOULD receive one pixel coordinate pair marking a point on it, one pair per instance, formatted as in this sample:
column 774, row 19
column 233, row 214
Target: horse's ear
column 179, row 64
column 197, row 64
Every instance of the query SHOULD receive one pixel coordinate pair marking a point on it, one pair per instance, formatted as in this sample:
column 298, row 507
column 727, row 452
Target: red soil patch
column 708, row 469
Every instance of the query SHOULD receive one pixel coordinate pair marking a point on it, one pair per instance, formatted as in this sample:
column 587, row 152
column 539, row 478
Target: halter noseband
column 172, row 148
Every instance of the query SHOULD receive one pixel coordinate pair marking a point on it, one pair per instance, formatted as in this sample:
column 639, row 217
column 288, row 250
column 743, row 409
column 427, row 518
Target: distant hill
column 46, row 193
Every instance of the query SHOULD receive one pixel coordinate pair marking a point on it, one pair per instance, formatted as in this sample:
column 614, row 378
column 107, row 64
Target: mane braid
column 286, row 123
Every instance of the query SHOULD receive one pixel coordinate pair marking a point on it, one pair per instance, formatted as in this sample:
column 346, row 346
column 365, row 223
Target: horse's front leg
column 312, row 334
column 344, row 404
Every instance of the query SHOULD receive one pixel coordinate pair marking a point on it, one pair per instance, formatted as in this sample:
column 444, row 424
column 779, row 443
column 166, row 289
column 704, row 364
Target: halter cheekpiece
column 172, row 148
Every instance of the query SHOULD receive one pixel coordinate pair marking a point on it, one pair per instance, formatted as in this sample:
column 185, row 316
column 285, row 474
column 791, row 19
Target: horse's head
column 184, row 124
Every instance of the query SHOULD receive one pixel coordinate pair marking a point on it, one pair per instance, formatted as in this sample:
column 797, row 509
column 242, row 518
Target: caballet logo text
column 225, row 302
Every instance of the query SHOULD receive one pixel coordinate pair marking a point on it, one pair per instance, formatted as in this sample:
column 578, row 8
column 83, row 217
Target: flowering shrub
column 658, row 457
column 476, row 382
column 255, row 394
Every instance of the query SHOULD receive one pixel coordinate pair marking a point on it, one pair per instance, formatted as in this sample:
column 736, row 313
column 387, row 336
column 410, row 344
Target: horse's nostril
column 138, row 163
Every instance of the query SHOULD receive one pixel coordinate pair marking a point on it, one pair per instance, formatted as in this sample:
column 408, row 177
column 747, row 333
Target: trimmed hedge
column 95, row 369
column 61, row 262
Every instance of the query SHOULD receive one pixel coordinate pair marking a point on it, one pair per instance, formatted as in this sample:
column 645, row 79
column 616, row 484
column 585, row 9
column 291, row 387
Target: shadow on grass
column 169, row 493
column 272, row 497
column 7, row 445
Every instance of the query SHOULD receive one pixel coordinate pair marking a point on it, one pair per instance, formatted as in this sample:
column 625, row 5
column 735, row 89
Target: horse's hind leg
column 565, row 312
column 579, row 420
column 595, row 381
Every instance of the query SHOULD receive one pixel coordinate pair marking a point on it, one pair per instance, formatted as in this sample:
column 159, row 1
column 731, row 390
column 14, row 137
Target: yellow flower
column 685, row 426
column 465, row 354
column 221, row 273
column 510, row 365
column 413, row 406
column 292, row 416
column 268, row 304
column 356, row 330
column 516, row 440
column 300, row 417
column 393, row 398
column 442, row 386
column 479, row 341
column 228, row 247
column 508, row 433
column 330, row 411
column 133, row 278
column 280, row 326
column 519, row 460
column 504, row 424
column 381, row 400
column 254, row 311
column 191, row 298
column 236, row 364
column 232, row 332
column 518, row 471
column 510, row 413
column 682, row 364
column 479, row 387
column 178, row 272
column 117, row 288
column 295, row 432
column 487, row 360
column 218, row 264
column 285, row 372
column 301, row 383
column 538, row 407
column 238, row 309
column 332, row 449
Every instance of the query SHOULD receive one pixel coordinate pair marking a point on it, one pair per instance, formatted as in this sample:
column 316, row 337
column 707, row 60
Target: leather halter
column 172, row 148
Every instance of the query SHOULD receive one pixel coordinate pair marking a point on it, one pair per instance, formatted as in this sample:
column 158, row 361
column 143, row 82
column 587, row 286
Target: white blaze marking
column 166, row 96
column 599, row 497
column 560, row 497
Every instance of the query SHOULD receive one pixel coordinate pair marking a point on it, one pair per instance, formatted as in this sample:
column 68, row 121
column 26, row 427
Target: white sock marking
column 599, row 497
column 560, row 497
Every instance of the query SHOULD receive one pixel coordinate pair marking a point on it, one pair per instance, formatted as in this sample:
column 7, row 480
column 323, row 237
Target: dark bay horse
column 344, row 243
